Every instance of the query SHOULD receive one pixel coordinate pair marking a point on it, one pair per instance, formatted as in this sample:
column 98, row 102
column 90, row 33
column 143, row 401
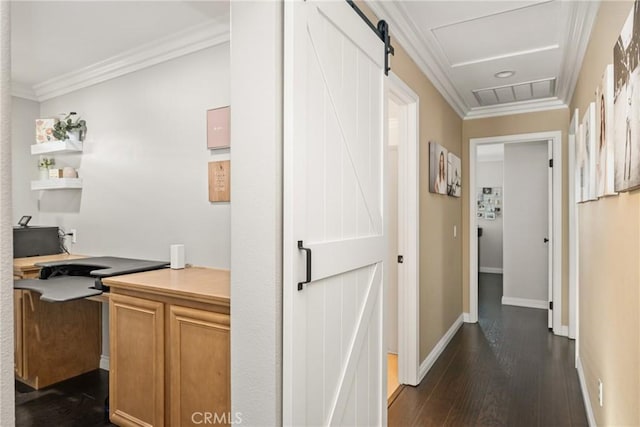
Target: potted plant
column 71, row 128
column 44, row 164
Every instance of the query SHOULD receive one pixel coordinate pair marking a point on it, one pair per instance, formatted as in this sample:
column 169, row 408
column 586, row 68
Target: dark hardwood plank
column 508, row 369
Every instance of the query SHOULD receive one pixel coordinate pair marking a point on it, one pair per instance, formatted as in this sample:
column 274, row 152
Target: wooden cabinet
column 170, row 347
column 52, row 341
column 137, row 364
column 199, row 368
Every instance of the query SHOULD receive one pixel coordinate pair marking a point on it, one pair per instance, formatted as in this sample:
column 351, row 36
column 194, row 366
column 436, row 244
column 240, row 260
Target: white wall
column 256, row 221
column 526, row 221
column 7, row 397
column 144, row 163
column 490, row 174
column 23, row 135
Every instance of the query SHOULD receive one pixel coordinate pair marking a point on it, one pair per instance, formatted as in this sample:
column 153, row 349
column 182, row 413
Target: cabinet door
column 136, row 377
column 200, row 386
column 17, row 332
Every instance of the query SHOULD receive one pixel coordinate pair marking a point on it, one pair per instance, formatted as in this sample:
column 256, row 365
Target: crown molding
column 22, row 90
column 405, row 32
column 211, row 33
column 520, row 107
column 582, row 17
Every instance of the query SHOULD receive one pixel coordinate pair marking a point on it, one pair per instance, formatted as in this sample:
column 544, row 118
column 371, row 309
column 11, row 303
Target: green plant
column 46, row 162
column 66, row 125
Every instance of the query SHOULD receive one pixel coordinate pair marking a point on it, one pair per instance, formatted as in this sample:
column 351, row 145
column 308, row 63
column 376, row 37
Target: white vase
column 72, row 136
column 44, row 174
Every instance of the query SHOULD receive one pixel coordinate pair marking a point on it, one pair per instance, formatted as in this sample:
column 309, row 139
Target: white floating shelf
column 57, row 184
column 57, row 147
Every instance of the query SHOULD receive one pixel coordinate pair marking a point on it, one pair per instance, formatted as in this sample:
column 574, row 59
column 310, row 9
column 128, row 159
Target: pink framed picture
column 218, row 123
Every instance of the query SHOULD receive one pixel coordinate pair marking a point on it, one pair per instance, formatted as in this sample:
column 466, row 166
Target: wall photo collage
column 489, row 203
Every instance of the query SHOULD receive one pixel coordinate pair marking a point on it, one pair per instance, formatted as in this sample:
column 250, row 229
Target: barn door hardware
column 308, row 278
column 381, row 30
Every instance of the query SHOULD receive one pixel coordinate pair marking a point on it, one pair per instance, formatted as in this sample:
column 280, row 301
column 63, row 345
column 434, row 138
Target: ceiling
column 461, row 45
column 51, row 38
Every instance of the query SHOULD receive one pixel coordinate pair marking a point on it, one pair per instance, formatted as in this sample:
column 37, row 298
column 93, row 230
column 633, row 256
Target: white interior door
column 334, row 369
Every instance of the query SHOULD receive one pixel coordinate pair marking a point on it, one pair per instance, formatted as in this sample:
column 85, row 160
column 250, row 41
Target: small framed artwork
column 220, row 181
column 218, row 128
column 480, row 215
column 454, row 176
column 490, row 216
column 486, row 190
column 437, row 168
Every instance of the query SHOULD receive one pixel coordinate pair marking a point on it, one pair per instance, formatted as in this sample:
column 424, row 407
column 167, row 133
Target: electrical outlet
column 74, row 235
column 600, row 393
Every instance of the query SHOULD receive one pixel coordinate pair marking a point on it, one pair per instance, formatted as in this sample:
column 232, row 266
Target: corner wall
column 609, row 272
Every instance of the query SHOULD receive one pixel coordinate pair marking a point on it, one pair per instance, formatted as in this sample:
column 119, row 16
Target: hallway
column 506, row 370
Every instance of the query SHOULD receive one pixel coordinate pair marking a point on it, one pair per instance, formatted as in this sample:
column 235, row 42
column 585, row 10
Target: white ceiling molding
column 404, row 31
column 519, row 107
column 183, row 43
column 21, row 90
column 583, row 17
column 430, row 61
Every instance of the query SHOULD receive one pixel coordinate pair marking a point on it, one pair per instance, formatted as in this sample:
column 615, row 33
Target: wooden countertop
column 28, row 264
column 194, row 283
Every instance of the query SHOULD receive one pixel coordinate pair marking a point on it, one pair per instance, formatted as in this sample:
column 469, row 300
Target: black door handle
column 546, row 240
column 308, row 251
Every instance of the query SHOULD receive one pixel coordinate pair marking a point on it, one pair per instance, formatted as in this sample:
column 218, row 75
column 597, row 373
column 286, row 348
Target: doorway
column 402, row 289
column 550, row 248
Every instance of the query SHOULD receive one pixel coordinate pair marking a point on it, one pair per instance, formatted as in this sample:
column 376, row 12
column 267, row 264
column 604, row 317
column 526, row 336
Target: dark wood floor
column 506, row 370
column 78, row 402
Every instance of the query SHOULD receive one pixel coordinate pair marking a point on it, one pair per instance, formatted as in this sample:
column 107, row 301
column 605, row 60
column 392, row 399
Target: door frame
column 574, row 285
column 408, row 232
column 556, row 230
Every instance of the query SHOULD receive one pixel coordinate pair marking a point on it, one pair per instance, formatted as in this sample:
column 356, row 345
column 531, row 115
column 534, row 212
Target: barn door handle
column 546, row 240
column 308, row 251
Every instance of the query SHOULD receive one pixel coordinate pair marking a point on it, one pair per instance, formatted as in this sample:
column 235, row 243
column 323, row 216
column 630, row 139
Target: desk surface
column 24, row 265
column 195, row 283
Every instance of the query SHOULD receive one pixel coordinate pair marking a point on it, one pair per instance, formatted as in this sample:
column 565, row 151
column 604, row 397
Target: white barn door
column 334, row 363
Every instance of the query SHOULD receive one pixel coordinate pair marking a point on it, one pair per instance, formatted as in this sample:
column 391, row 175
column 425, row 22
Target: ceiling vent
column 537, row 89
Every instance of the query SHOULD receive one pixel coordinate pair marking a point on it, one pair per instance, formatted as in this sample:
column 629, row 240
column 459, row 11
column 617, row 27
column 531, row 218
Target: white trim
column 563, row 331
column 428, row 362
column 22, row 90
column 104, row 362
column 429, row 59
column 556, row 244
column 519, row 107
column 525, row 302
column 208, row 34
column 582, row 17
column 406, row 33
column 573, row 232
column 408, row 232
column 585, row 394
column 491, row 270
column 466, row 318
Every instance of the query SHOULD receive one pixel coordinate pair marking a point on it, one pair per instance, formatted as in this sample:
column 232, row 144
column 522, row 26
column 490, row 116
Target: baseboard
column 466, row 318
column 525, row 302
column 428, row 362
column 104, row 362
column 585, row 395
column 491, row 270
column 562, row 331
